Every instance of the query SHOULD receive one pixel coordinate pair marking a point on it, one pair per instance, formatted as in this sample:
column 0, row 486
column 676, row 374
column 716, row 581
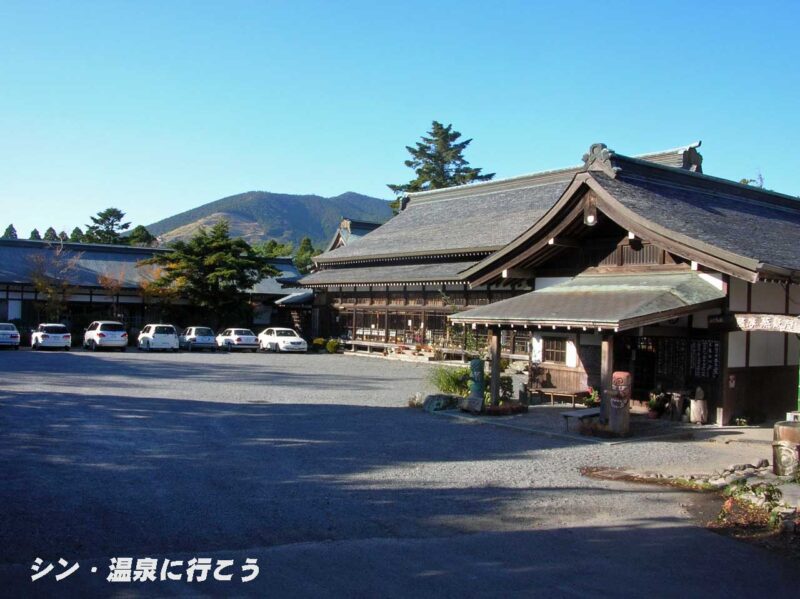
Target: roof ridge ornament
column 598, row 158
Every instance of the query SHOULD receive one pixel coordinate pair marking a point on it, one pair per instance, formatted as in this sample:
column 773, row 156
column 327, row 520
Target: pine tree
column 140, row 236
column 76, row 236
column 35, row 235
column 106, row 227
column 438, row 162
column 212, row 271
column 63, row 236
column 10, row 233
column 50, row 234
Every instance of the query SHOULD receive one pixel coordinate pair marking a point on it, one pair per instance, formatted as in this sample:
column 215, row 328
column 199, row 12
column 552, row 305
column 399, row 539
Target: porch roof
column 438, row 272
column 602, row 301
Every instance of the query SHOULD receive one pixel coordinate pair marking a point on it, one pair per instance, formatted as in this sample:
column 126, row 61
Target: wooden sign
column 780, row 323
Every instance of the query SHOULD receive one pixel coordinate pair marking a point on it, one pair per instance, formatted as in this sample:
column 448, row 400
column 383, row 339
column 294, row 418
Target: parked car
column 51, row 335
column 279, row 339
column 158, row 336
column 9, row 335
column 197, row 338
column 102, row 334
column 232, row 339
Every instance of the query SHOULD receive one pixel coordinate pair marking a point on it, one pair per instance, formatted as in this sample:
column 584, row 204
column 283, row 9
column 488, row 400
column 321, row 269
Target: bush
column 452, row 381
column 318, row 344
column 506, row 389
column 332, row 346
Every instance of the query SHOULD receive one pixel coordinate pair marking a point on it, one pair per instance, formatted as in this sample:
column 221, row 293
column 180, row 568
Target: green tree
column 76, row 235
column 141, row 236
column 303, row 257
column 50, row 234
column 35, row 235
column 274, row 249
column 107, row 227
column 63, row 236
column 212, row 271
column 438, row 162
column 10, row 232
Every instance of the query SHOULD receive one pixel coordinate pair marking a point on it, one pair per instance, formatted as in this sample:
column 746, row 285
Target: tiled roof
column 751, row 225
column 82, row 264
column 438, row 272
column 601, row 300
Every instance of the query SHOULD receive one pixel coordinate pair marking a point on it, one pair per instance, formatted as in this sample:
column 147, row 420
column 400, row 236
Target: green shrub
column 451, row 381
column 506, row 389
column 332, row 346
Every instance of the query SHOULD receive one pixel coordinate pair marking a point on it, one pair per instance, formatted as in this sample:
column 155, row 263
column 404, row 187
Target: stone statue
column 474, row 402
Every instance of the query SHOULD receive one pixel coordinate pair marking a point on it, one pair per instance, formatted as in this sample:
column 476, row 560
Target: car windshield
column 55, row 329
column 7, row 327
column 243, row 332
column 203, row 332
column 285, row 333
column 164, row 330
column 112, row 326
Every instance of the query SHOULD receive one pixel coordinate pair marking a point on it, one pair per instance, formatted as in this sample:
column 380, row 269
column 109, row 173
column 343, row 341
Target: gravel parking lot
column 313, row 465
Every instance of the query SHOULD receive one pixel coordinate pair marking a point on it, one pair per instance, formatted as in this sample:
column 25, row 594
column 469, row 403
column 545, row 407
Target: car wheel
column 189, row 347
column 35, row 347
column 16, row 348
column 146, row 346
column 93, row 345
column 228, row 347
column 66, row 348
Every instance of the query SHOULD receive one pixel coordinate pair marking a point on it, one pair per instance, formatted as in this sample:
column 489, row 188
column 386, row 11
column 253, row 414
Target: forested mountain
column 260, row 215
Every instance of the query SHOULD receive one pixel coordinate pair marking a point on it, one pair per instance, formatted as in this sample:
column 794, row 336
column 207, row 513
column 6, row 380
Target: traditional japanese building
column 642, row 264
column 94, row 281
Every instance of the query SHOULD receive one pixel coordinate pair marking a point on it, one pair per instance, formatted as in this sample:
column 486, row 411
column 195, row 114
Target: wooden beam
column 606, row 370
column 494, row 352
column 564, row 242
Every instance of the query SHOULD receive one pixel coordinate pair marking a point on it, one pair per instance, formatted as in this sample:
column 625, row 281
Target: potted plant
column 656, row 405
column 593, row 399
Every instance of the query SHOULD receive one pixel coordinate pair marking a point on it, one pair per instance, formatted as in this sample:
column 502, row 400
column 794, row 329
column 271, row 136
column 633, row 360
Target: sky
column 159, row 107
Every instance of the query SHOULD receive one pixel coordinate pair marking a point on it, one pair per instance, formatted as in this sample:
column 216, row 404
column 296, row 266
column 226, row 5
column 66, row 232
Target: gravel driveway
column 312, row 464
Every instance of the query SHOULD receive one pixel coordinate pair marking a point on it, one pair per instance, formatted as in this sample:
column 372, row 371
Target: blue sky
column 157, row 107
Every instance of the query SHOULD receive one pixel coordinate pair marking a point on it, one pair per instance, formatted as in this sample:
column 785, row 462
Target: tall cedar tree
column 213, row 272
column 305, row 252
column 63, row 236
column 107, row 227
column 274, row 249
column 35, row 235
column 76, row 235
column 438, row 162
column 50, row 234
column 10, row 232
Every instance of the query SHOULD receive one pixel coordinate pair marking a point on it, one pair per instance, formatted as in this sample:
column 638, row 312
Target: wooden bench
column 553, row 393
column 580, row 415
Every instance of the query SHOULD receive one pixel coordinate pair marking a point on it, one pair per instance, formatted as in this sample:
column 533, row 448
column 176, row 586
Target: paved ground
column 312, row 465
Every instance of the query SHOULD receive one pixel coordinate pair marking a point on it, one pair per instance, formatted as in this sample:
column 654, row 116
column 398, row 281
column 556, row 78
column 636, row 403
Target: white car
column 158, row 336
column 9, row 335
column 197, row 338
column 278, row 339
column 231, row 339
column 51, row 335
column 102, row 334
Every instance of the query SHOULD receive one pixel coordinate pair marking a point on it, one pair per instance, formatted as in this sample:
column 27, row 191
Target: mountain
column 260, row 215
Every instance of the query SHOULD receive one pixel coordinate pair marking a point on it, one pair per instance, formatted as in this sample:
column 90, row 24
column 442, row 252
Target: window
column 554, row 349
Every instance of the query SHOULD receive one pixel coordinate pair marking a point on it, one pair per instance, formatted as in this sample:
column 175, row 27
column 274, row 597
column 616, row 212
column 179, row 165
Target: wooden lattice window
column 554, row 349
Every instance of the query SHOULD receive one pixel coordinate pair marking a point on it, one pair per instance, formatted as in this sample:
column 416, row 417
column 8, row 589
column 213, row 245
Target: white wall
column 737, row 295
column 737, row 348
column 768, row 297
column 766, row 348
column 14, row 309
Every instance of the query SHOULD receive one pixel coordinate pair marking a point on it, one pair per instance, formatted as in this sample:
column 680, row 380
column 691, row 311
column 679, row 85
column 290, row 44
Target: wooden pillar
column 355, row 315
column 494, row 353
column 606, row 370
